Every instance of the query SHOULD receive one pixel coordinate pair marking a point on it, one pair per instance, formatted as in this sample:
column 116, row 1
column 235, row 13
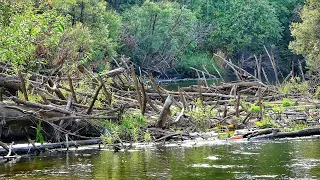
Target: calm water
column 174, row 86
column 248, row 160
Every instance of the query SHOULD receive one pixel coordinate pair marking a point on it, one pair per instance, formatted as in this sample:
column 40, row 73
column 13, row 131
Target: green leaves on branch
column 26, row 33
column 157, row 32
column 306, row 34
column 244, row 25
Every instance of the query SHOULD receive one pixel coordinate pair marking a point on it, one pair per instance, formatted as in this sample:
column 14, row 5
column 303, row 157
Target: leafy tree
column 244, row 25
column 306, row 34
column 25, row 30
column 287, row 12
column 104, row 25
column 307, row 39
column 157, row 33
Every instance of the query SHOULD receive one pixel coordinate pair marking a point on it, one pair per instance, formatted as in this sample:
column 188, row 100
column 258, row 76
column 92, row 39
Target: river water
column 297, row 159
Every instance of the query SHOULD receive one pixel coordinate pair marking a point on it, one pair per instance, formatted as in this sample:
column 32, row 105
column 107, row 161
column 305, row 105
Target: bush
column 294, row 85
column 287, row 102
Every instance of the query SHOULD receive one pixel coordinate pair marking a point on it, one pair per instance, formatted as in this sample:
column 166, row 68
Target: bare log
column 72, row 89
column 115, row 72
column 135, row 80
column 30, row 148
column 89, row 111
column 40, row 106
column 301, row 133
column 23, row 86
column 105, row 90
column 260, row 132
column 274, row 66
column 144, row 98
column 11, row 82
column 164, row 112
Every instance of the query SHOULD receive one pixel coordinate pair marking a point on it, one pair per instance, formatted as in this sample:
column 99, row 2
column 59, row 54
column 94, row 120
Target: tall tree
column 307, row 37
column 156, row 33
column 306, row 34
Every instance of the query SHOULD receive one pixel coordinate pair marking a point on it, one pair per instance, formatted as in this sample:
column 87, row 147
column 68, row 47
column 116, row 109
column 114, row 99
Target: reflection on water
column 263, row 160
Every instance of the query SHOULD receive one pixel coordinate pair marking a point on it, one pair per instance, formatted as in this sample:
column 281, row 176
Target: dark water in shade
column 250, row 160
column 174, row 86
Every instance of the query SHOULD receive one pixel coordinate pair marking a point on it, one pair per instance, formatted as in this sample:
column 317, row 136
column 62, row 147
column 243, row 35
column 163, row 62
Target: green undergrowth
column 266, row 122
column 294, row 85
column 293, row 126
column 287, row 102
column 132, row 127
column 201, row 115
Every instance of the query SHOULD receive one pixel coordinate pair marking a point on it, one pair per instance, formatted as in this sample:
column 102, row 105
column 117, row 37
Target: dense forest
column 162, row 37
column 89, row 68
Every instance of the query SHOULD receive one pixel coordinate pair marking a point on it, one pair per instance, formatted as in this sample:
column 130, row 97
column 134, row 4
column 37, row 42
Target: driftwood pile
column 64, row 112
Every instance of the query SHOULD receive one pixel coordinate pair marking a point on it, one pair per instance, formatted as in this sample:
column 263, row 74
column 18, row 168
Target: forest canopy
column 158, row 36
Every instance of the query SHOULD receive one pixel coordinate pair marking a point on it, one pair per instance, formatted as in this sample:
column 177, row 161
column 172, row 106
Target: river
column 219, row 160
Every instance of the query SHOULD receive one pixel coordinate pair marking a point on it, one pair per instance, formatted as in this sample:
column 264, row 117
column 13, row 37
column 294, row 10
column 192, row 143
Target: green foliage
column 103, row 26
column 147, row 137
column 224, row 135
column 317, row 93
column 287, row 102
column 244, row 25
column 75, row 47
column 157, row 31
column 130, row 127
column 294, row 85
column 306, row 34
column 254, row 108
column 293, row 126
column 39, row 136
column 201, row 115
column 198, row 60
column 278, row 109
column 27, row 29
column 266, row 122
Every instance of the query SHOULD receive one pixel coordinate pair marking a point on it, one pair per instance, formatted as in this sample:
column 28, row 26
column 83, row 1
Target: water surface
column 245, row 160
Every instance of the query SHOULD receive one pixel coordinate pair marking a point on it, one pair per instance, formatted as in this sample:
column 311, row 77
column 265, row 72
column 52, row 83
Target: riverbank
column 87, row 107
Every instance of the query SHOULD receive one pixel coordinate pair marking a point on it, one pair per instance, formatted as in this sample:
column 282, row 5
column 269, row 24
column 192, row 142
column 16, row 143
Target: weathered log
column 23, row 86
column 144, row 98
column 164, row 112
column 136, row 83
column 89, row 111
column 53, row 88
column 115, row 72
column 30, row 148
column 107, row 94
column 40, row 106
column 155, row 85
column 10, row 82
column 260, row 132
column 72, row 89
column 300, row 133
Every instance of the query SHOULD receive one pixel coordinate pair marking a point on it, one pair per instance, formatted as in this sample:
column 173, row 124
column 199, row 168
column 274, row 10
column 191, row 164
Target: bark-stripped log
column 164, row 112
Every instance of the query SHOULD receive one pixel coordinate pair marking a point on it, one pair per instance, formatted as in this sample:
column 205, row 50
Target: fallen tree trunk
column 28, row 148
column 260, row 132
column 164, row 112
column 40, row 106
column 10, row 82
column 300, row 133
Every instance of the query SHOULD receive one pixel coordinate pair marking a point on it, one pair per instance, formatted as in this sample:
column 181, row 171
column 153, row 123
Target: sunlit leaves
column 306, row 34
column 156, row 32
